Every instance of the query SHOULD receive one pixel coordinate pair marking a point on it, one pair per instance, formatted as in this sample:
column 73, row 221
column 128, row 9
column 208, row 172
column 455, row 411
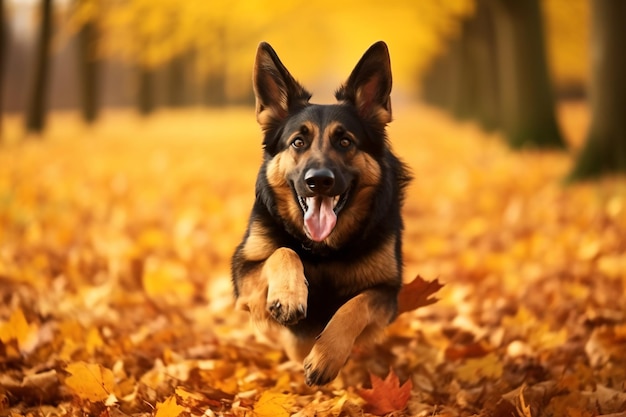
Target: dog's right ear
column 276, row 91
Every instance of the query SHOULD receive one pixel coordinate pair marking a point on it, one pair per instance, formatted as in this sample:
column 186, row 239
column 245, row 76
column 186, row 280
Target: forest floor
column 115, row 295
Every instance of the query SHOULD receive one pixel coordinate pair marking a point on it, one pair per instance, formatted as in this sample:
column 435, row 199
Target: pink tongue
column 319, row 219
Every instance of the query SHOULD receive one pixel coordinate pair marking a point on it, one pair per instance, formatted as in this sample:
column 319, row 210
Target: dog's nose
column 319, row 180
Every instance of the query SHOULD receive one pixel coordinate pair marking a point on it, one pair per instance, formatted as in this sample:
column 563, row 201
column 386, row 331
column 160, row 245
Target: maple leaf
column 417, row 294
column 273, row 404
column 386, row 395
column 169, row 408
column 489, row 366
column 90, row 381
column 18, row 329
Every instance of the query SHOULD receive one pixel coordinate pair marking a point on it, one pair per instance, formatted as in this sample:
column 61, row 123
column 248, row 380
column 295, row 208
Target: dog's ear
column 276, row 91
column 369, row 85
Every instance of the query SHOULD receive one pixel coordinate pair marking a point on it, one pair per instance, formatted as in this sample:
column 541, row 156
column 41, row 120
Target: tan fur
column 286, row 283
column 280, row 280
column 369, row 171
column 288, row 208
column 359, row 316
column 367, row 109
column 253, row 297
column 258, row 246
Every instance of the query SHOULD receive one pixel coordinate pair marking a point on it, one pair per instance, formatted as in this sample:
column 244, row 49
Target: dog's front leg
column 287, row 287
column 362, row 314
column 275, row 291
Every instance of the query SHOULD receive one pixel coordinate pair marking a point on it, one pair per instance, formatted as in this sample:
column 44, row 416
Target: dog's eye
column 345, row 143
column 297, row 142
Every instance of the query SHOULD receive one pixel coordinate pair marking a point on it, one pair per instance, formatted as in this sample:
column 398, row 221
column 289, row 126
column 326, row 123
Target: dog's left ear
column 276, row 91
column 369, row 86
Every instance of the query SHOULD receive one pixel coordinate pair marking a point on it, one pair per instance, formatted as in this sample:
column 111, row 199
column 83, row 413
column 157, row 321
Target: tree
column 36, row 107
column 526, row 96
column 605, row 146
column 145, row 92
column 177, row 81
column 496, row 72
column 465, row 77
column 3, row 43
column 88, row 71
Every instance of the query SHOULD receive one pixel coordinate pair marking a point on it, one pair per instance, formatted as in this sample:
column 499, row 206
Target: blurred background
column 149, row 54
column 505, row 64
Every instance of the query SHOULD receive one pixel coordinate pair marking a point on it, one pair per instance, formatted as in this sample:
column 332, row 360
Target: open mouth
column 338, row 201
column 320, row 214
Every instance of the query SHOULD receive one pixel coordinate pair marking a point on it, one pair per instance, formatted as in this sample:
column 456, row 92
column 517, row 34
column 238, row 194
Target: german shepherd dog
column 320, row 263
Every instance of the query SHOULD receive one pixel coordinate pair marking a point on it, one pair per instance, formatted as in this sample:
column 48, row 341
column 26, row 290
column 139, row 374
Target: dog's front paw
column 288, row 304
column 323, row 364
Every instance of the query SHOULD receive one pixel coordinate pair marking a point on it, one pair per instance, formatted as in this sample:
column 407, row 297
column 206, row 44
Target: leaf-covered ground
column 115, row 296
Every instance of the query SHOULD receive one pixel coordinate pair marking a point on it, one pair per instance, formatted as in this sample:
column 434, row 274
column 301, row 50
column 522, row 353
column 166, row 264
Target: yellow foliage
column 90, row 381
column 221, row 36
column 169, row 408
column 274, row 404
column 163, row 279
column 18, row 329
column 473, row 370
column 567, row 37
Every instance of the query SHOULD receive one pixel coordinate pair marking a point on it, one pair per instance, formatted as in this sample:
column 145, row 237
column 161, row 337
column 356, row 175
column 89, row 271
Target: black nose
column 319, row 180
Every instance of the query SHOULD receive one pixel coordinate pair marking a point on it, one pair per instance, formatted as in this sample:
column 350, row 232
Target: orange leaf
column 274, row 404
column 90, row 381
column 169, row 408
column 417, row 294
column 386, row 395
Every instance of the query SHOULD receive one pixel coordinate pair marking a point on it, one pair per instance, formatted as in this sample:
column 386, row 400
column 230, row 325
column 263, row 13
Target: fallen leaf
column 18, row 329
column 417, row 294
column 274, row 404
column 523, row 409
column 386, row 395
column 465, row 351
column 473, row 370
column 90, row 381
column 169, row 408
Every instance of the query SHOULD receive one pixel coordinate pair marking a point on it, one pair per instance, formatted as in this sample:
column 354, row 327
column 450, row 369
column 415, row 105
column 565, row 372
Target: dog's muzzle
column 322, row 204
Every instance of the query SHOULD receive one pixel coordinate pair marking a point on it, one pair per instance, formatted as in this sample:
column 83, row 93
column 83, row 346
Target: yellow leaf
column 90, row 381
column 274, row 404
column 169, row 408
column 188, row 395
column 167, row 280
column 522, row 408
column 17, row 328
column 94, row 341
column 473, row 370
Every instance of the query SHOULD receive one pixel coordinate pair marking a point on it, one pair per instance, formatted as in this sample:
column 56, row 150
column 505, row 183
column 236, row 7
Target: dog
column 320, row 265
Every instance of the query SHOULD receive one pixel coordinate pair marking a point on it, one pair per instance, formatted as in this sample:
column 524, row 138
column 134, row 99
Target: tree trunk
column 480, row 42
column 526, row 97
column 36, row 107
column 464, row 79
column 88, row 71
column 215, row 89
column 605, row 147
column 145, row 93
column 176, row 77
column 3, row 43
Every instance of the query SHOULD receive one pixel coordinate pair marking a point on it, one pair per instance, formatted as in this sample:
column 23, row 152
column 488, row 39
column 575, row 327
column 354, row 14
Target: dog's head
column 323, row 162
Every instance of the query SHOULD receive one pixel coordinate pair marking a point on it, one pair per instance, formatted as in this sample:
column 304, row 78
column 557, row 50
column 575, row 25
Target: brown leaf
column 386, row 395
column 465, row 351
column 417, row 294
